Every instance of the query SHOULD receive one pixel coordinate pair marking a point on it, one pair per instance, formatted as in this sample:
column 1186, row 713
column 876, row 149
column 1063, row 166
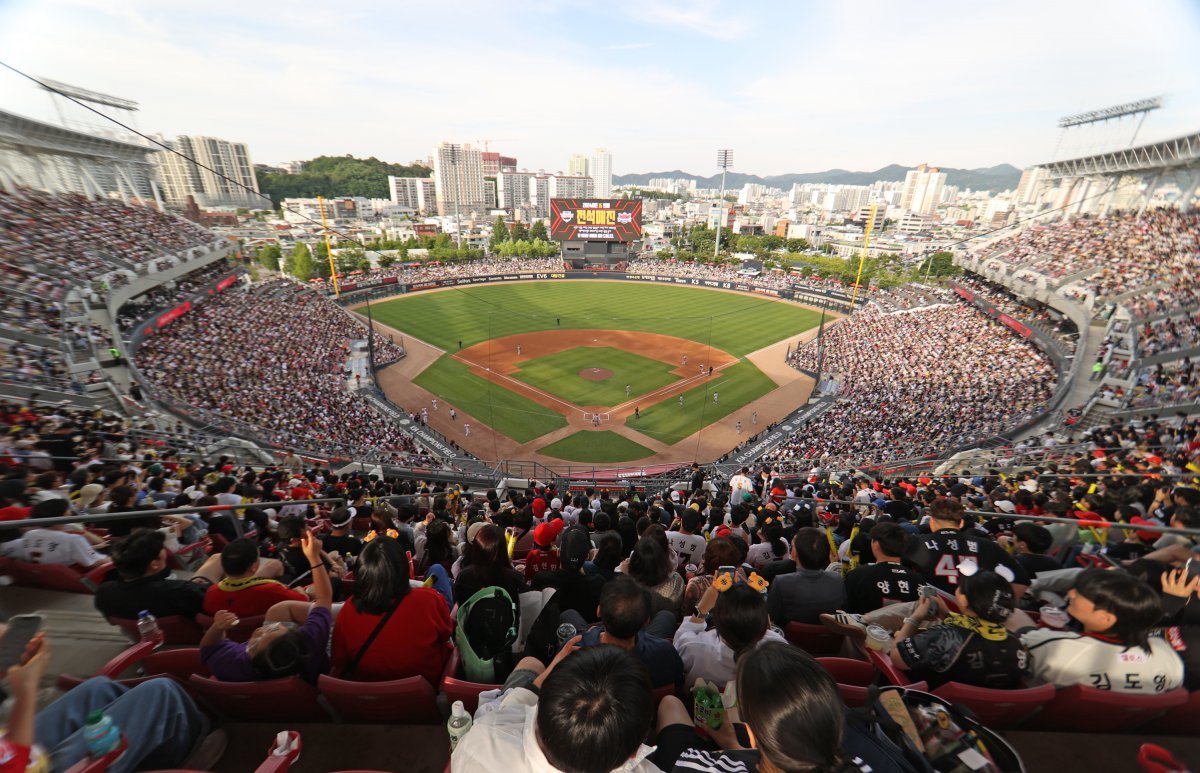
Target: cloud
column 704, row 17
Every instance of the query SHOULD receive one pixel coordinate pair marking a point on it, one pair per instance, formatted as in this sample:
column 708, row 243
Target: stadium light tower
column 724, row 160
column 454, row 152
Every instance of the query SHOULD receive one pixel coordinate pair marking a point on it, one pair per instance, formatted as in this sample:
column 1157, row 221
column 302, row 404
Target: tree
column 499, row 234
column 268, row 257
column 386, row 260
column 938, row 264
column 538, row 232
column 519, row 232
column 333, row 176
column 300, row 263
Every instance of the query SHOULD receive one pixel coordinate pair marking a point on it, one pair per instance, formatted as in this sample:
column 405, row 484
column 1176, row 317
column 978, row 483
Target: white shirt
column 705, row 656
column 761, row 554
column 689, row 547
column 740, row 484
column 47, row 546
column 505, row 739
column 1064, row 658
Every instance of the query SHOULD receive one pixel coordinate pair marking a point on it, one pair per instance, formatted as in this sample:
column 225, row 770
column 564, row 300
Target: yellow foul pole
column 863, row 258
column 337, row 292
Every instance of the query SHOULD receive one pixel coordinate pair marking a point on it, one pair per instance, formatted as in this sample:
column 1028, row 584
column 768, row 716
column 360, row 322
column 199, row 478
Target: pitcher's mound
column 596, row 374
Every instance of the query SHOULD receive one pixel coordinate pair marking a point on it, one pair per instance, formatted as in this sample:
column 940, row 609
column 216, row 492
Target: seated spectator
column 719, row 552
column 340, row 540
column 145, row 583
column 937, row 555
column 803, row 595
column 1032, row 541
column 651, row 567
column 1183, row 610
column 247, row 590
column 574, row 590
column 740, row 623
column 413, row 624
column 52, row 544
column 609, row 555
column 161, row 725
column 792, row 709
column 885, row 581
column 276, row 649
column 626, row 622
column 434, row 545
column 970, row 647
column 1116, row 650
column 687, row 540
column 587, row 712
column 774, row 547
column 543, row 556
column 486, row 566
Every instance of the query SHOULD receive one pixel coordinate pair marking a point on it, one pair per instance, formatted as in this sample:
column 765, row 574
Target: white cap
column 556, row 504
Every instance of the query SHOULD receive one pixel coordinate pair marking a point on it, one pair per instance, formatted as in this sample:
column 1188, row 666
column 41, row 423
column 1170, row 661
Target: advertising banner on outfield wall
column 815, row 297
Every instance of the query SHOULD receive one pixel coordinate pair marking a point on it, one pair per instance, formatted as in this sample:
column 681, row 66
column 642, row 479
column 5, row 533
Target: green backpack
column 487, row 628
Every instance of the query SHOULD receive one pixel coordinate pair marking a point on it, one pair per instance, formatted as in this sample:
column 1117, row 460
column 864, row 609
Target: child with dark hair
column 1116, row 650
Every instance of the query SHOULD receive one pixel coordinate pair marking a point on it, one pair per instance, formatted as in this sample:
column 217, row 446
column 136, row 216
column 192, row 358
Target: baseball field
column 595, row 371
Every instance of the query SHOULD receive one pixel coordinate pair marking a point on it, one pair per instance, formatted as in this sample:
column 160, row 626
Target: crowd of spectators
column 916, row 383
column 290, row 347
column 35, row 366
column 1154, row 252
column 770, row 279
column 411, row 273
column 669, row 586
column 1029, row 311
column 1169, row 334
column 72, row 236
column 911, row 296
column 168, row 295
column 1166, row 384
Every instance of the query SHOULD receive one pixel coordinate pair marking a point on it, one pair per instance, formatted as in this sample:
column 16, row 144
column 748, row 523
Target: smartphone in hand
column 21, row 629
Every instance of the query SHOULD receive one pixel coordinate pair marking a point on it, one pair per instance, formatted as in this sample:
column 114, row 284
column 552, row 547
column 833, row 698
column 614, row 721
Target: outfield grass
column 596, row 447
column 669, row 423
column 735, row 323
column 558, row 374
column 507, row 412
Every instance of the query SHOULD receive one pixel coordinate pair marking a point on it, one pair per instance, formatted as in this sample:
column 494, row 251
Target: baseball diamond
column 543, row 367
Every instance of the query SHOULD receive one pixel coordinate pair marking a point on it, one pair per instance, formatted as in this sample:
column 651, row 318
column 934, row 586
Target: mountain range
column 995, row 178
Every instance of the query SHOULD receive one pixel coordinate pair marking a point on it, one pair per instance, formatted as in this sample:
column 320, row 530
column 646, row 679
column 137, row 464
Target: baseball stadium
column 352, row 484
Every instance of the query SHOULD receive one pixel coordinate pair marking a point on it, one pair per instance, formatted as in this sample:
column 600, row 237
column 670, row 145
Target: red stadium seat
column 1088, row 710
column 461, row 690
column 240, row 632
column 113, row 669
column 998, row 709
column 816, row 640
column 177, row 664
column 1183, row 719
column 54, row 576
column 175, row 629
column 855, row 677
column 275, row 700
column 188, row 557
column 410, row 701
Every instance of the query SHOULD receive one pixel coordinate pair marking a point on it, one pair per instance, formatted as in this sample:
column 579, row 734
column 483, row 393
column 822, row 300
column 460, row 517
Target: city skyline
column 661, row 85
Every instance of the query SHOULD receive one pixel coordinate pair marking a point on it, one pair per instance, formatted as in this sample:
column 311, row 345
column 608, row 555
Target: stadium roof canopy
column 1178, row 153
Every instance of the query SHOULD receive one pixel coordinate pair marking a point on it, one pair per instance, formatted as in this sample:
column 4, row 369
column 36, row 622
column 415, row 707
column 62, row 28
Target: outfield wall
column 357, row 292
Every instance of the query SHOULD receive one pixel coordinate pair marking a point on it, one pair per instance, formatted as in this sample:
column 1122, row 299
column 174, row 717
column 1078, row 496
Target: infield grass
column 506, row 412
column 735, row 323
column 668, row 422
column 596, row 447
column 558, row 374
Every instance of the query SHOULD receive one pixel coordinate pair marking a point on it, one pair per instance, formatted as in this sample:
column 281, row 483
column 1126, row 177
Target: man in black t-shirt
column 937, row 555
column 145, row 584
column 886, row 581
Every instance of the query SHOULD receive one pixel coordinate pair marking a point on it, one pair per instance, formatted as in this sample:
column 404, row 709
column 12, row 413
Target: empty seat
column 816, row 640
column 175, row 629
column 998, row 709
column 275, row 700
column 1089, row 710
column 410, row 701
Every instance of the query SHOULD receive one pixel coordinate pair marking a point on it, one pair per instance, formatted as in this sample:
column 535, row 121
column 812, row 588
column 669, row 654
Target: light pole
column 454, row 152
column 724, row 160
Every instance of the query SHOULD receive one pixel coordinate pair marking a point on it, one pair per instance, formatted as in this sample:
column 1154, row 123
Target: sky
column 794, row 86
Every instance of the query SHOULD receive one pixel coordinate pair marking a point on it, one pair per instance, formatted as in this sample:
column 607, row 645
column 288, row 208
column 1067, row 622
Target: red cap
column 1144, row 536
column 545, row 534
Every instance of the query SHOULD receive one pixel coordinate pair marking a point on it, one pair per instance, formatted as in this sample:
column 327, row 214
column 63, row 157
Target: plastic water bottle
column 148, row 630
column 100, row 734
column 459, row 724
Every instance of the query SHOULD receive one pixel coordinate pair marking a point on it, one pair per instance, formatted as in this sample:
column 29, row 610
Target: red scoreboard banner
column 604, row 220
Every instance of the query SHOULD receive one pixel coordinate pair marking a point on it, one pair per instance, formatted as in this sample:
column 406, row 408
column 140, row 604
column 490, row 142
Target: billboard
column 606, row 220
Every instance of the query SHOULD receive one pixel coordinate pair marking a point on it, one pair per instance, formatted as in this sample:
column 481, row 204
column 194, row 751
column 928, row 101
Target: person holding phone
column 789, row 716
column 1180, row 589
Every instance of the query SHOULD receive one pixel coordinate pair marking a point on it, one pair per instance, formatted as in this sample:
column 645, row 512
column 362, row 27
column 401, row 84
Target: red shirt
column 415, row 641
column 248, row 597
column 541, row 560
column 14, row 513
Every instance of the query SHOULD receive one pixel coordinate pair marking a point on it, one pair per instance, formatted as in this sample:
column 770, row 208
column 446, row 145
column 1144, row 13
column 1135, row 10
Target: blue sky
column 790, row 86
